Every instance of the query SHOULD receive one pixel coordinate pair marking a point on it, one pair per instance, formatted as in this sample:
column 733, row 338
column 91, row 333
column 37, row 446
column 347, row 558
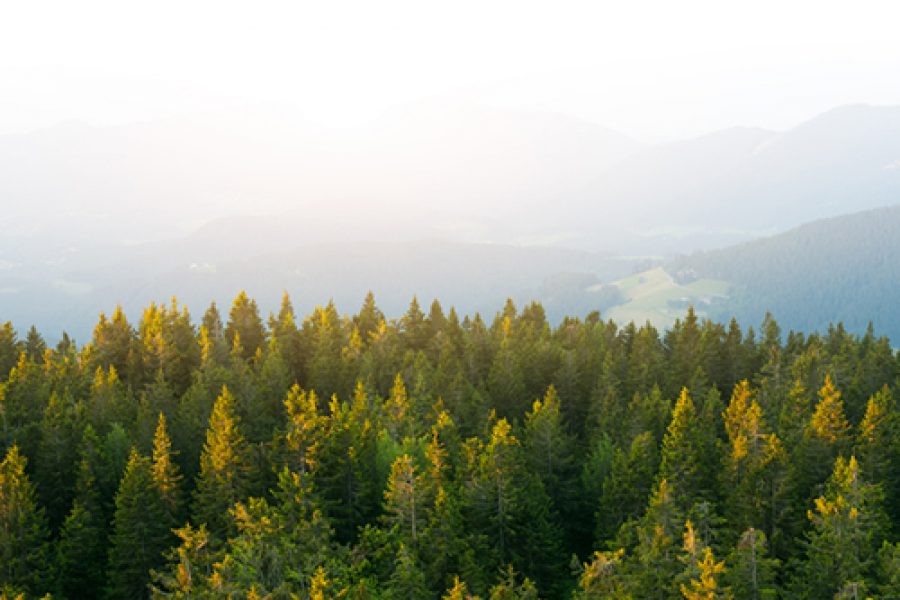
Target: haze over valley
column 551, row 206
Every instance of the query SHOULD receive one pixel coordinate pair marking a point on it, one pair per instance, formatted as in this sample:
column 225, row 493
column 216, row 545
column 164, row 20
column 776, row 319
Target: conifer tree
column 342, row 474
column 751, row 571
column 549, row 451
column 368, row 319
column 223, row 473
column 627, row 489
column 459, row 591
column 684, row 459
column 511, row 507
column 245, row 324
column 10, row 348
column 755, row 470
column 706, row 586
column 165, row 471
column 304, row 430
column 848, row 528
column 25, row 561
column 508, row 588
column 403, row 501
column 140, row 532
column 654, row 564
column 602, row 578
column 190, row 570
column 878, row 448
column 83, row 539
column 55, row 458
column 408, row 580
column 398, row 413
column 506, row 379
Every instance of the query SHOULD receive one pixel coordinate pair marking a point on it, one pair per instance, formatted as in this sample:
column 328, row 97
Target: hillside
column 655, row 296
column 839, row 269
column 742, row 183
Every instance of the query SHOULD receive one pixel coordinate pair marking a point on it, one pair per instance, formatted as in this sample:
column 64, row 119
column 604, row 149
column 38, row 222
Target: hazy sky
column 653, row 69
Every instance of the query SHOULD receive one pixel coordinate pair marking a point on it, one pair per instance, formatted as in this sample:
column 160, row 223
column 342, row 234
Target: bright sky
column 653, row 69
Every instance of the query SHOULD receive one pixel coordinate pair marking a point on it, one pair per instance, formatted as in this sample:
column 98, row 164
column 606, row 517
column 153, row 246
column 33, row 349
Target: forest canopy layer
column 436, row 456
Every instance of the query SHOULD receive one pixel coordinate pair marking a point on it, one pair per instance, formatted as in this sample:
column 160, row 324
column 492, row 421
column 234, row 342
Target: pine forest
column 439, row 455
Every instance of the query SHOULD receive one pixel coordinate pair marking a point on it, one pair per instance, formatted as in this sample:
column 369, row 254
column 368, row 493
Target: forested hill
column 845, row 268
column 439, row 456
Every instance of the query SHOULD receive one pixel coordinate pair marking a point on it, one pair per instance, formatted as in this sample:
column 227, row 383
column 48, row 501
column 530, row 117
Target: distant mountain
column 741, row 183
column 455, row 172
column 218, row 261
column 462, row 172
column 839, row 269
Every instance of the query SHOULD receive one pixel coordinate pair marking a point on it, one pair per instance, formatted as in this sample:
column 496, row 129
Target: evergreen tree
column 342, row 474
column 223, row 468
column 751, row 571
column 509, row 504
column 755, row 470
column 654, row 566
column 848, row 527
column 245, row 328
column 408, row 580
column 165, row 472
column 304, row 430
column 685, row 461
column 25, row 561
column 550, row 453
column 508, row 588
column 459, row 591
column 55, row 459
column 83, row 539
column 878, row 448
column 602, row 578
column 628, row 487
column 140, row 532
column 403, row 501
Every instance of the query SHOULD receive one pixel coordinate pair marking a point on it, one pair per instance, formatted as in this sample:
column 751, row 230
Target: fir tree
column 83, row 537
column 25, row 561
column 848, row 527
column 140, row 532
column 165, row 472
column 223, row 468
column 245, row 325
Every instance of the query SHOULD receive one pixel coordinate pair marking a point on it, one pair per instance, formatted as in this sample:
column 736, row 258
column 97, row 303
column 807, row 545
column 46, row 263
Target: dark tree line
column 438, row 457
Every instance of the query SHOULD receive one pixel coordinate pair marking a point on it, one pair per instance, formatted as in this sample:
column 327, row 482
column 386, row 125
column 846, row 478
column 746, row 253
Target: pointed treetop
column 828, row 420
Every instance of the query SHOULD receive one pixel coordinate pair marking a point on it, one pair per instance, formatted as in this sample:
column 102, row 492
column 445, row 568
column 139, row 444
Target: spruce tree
column 165, row 471
column 82, row 538
column 25, row 560
column 684, row 461
column 848, row 528
column 245, row 324
column 222, row 480
column 751, row 570
column 140, row 532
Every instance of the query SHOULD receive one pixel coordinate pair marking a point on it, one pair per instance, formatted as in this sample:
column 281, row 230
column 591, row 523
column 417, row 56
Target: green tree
column 848, row 528
column 223, row 473
column 140, row 532
column 165, row 471
column 626, row 490
column 408, row 580
column 755, row 470
column 245, row 329
column 686, row 462
column 602, row 578
column 403, row 501
column 25, row 560
column 751, row 571
column 82, row 540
